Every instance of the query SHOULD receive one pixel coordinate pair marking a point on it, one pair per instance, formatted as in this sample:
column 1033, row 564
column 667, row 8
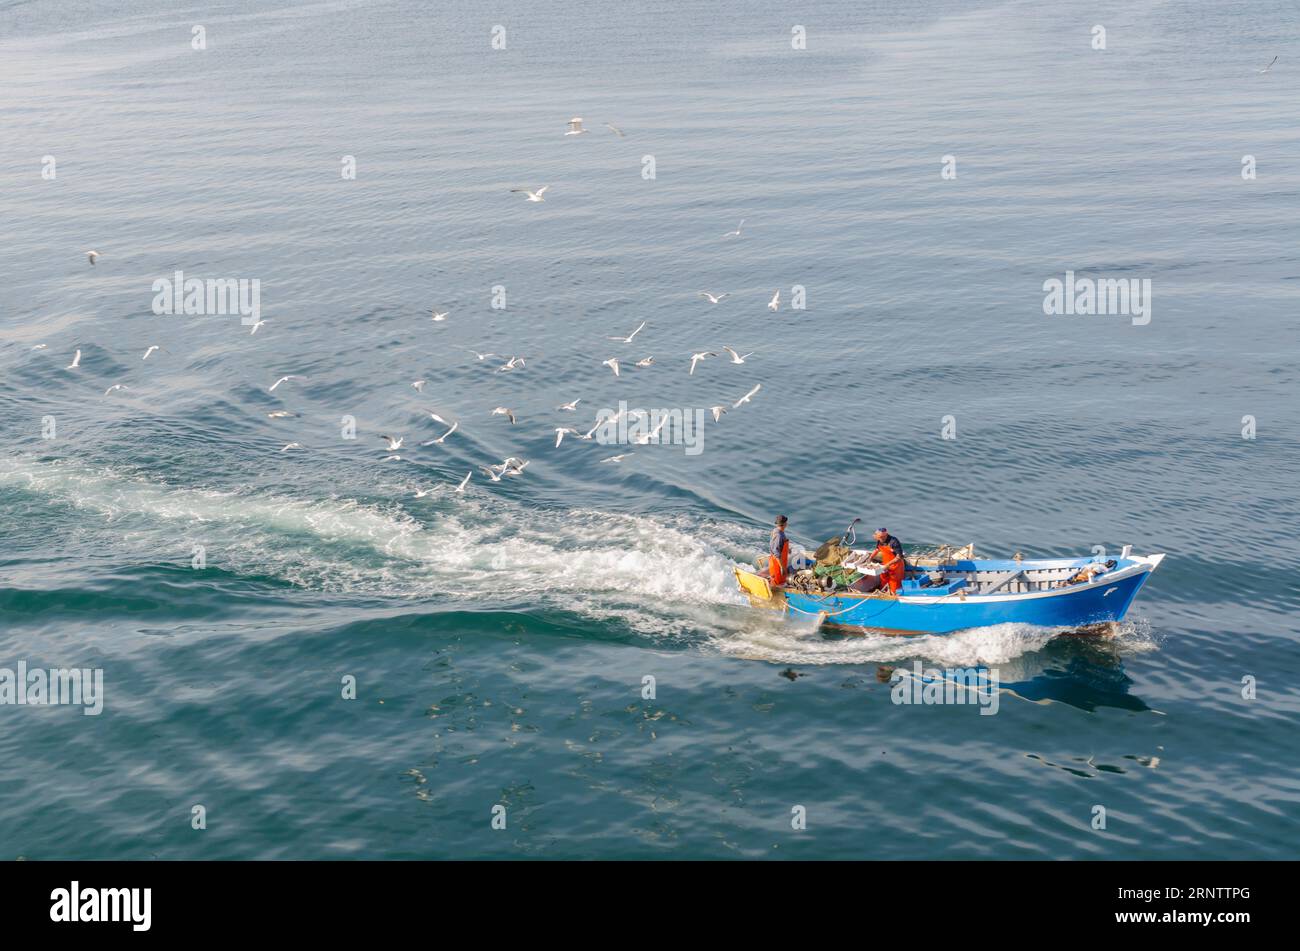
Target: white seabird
column 748, row 396
column 697, row 357
column 628, row 338
column 441, row 439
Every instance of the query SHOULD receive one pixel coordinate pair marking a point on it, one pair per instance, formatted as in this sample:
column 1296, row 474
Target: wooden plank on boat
column 753, row 585
column 1003, row 580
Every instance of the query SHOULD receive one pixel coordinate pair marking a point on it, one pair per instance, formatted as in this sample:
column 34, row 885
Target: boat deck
column 999, row 577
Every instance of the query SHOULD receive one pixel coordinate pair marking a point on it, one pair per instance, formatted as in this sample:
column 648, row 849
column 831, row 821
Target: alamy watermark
column 63, row 686
column 81, row 903
column 1124, row 296
column 209, row 297
column 953, row 685
column 677, row 427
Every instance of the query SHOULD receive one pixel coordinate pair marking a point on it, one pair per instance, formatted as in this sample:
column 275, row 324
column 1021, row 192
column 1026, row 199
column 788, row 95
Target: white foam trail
column 784, row 643
column 653, row 573
column 658, row 576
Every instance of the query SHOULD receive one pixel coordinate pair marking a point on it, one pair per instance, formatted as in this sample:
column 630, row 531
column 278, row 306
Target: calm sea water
column 499, row 638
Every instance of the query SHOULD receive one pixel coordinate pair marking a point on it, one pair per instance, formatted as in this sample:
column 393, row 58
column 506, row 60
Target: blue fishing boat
column 940, row 595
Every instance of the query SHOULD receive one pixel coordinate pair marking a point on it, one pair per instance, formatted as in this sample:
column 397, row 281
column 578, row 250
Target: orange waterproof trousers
column 775, row 570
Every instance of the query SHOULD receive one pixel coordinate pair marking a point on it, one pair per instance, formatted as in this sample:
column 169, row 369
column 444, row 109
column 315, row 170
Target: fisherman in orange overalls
column 889, row 552
column 778, row 559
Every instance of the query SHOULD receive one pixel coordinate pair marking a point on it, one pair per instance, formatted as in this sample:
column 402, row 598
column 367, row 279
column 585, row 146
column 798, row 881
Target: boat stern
column 759, row 589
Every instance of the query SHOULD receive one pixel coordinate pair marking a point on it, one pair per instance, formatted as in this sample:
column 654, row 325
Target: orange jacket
column 780, row 548
column 893, row 562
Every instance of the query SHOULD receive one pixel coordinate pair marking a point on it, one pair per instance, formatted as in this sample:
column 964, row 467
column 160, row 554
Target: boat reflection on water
column 1086, row 673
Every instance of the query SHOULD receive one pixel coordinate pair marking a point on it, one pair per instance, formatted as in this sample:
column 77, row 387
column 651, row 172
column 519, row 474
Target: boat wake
column 775, row 640
column 658, row 576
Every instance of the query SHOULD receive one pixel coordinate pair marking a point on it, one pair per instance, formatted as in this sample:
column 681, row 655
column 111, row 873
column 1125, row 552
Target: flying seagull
column 697, row 357
column 712, row 299
column 717, row 412
column 612, row 363
column 418, row 385
column 736, row 233
column 643, row 439
column 257, row 324
column 394, row 443
column 439, row 441
column 559, row 434
column 91, row 256
column 481, row 356
column 628, row 338
column 512, row 465
column 533, row 196
column 149, row 351
column 76, row 362
column 648, row 361
column 619, row 458
column 503, row 411
column 279, row 414
column 748, row 396
column 616, row 130
column 575, row 126
column 283, row 379
column 569, row 406
column 1260, row 71
column 514, row 362
column 464, row 481
column 440, row 317
column 775, row 302
column 292, row 445
column 737, row 358
column 115, row 386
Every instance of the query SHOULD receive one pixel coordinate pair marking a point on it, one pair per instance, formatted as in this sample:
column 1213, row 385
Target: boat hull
column 1084, row 607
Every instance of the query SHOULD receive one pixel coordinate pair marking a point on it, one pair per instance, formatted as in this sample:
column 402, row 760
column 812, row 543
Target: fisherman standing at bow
column 778, row 560
column 889, row 553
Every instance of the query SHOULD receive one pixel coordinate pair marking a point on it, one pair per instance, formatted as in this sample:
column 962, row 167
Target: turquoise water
column 499, row 638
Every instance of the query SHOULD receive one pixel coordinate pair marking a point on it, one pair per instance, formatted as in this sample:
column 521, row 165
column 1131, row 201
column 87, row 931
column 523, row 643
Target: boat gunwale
column 1142, row 564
